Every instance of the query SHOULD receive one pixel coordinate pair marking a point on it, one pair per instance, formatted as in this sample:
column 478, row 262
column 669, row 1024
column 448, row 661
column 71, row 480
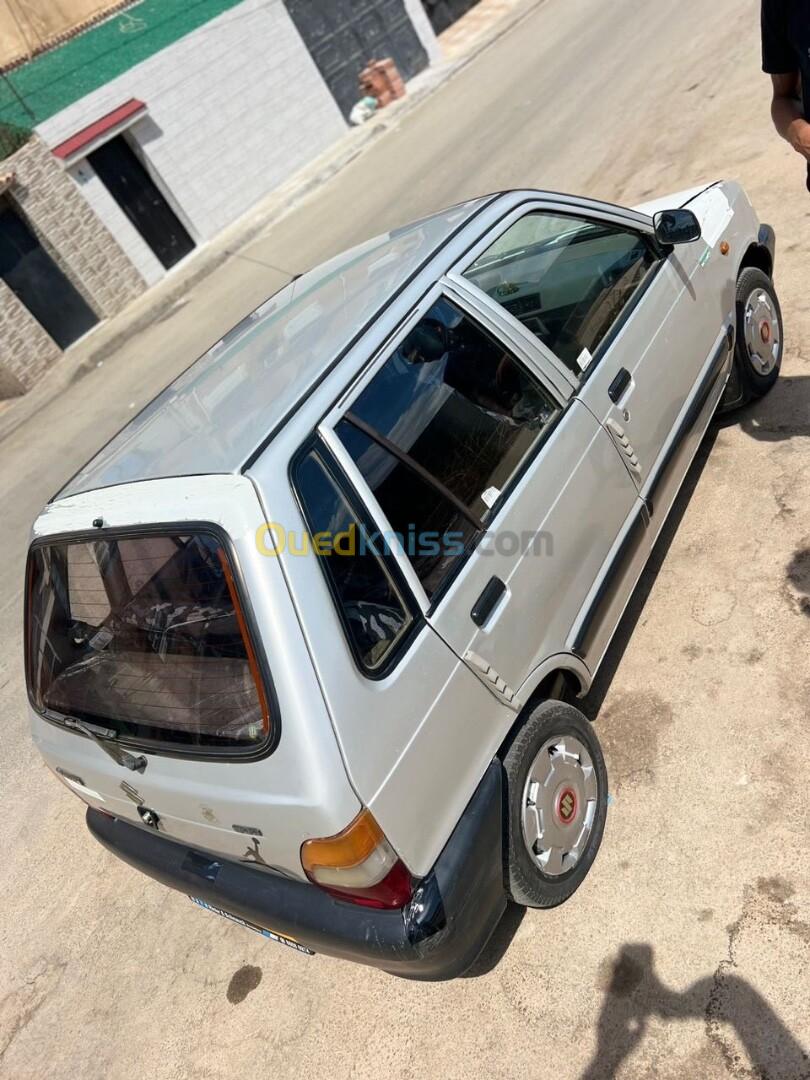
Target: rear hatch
column 152, row 693
column 142, row 638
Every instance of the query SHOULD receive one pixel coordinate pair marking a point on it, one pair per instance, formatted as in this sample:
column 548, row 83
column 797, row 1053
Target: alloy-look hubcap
column 762, row 336
column 559, row 805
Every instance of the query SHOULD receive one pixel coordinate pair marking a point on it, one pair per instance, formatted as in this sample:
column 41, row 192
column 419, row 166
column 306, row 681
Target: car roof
column 214, row 416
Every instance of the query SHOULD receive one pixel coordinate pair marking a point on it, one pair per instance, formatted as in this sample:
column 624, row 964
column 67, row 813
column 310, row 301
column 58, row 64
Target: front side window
column 373, row 612
column 565, row 278
column 439, row 432
column 145, row 635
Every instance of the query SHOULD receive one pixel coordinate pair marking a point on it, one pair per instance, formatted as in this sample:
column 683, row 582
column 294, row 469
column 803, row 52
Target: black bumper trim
column 437, row 936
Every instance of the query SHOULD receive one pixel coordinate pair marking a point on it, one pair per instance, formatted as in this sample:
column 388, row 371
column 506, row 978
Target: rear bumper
column 437, row 936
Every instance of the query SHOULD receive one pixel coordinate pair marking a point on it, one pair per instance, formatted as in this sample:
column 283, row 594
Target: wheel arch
column 563, row 677
column 759, row 254
column 571, row 667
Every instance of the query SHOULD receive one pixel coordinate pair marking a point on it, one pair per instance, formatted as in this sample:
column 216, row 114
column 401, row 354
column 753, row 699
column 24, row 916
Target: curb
column 227, row 244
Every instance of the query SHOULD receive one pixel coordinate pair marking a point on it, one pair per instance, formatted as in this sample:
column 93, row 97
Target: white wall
column 235, row 108
column 422, row 25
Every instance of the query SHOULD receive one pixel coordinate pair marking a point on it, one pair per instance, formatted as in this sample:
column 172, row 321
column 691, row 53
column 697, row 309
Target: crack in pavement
column 29, row 1011
column 767, row 903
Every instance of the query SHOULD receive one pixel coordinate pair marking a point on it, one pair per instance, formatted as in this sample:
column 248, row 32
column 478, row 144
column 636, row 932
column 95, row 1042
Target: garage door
column 36, row 280
column 342, row 36
column 443, row 13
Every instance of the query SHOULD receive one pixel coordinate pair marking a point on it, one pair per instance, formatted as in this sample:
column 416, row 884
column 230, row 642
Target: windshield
column 145, row 634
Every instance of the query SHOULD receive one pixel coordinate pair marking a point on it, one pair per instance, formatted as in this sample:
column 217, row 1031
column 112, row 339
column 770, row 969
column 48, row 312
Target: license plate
column 291, row 943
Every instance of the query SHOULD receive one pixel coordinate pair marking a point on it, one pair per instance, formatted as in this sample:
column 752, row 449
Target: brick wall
column 79, row 243
column 27, row 351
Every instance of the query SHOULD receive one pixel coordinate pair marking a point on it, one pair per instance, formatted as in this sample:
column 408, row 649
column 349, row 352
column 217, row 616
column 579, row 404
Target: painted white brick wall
column 235, row 108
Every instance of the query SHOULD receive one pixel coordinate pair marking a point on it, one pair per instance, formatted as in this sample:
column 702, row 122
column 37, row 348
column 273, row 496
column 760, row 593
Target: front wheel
column 760, row 335
column 556, row 793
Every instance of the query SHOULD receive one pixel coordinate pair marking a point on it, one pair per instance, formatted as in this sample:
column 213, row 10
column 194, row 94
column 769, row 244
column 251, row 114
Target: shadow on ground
column 634, row 993
column 782, row 415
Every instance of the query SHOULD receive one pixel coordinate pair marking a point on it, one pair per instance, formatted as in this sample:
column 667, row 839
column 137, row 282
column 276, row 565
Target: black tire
column 754, row 383
column 525, row 881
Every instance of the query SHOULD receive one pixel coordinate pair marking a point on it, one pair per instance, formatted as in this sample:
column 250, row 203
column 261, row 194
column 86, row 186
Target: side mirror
column 676, row 227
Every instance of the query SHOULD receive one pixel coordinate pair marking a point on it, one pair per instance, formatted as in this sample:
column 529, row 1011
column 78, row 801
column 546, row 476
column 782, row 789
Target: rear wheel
column 760, row 337
column 556, row 788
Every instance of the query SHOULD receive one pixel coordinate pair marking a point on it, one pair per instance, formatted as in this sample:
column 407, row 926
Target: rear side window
column 145, row 635
column 374, row 615
column 439, row 433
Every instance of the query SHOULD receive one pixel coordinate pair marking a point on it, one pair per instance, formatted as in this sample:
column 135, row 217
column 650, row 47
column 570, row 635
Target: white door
column 644, row 348
column 506, row 495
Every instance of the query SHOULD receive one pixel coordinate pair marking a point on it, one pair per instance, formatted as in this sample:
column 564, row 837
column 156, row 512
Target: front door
column 33, row 276
column 620, row 315
column 647, row 375
column 121, row 172
column 589, row 285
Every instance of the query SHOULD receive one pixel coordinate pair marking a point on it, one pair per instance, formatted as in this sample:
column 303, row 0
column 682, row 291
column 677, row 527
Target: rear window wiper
column 103, row 737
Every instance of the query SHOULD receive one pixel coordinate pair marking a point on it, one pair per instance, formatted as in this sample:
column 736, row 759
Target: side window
column 565, row 278
column 440, row 431
column 372, row 610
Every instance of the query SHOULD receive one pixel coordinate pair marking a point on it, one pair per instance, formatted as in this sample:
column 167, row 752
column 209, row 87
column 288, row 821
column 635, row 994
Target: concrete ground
column 686, row 953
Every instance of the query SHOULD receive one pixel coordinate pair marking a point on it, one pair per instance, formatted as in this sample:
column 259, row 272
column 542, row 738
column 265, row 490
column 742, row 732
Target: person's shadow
column 635, row 993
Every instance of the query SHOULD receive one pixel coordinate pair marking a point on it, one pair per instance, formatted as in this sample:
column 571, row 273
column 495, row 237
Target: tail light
column 358, row 864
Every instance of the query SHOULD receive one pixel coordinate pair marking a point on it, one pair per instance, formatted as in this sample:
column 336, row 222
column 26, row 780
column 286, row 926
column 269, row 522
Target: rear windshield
column 146, row 635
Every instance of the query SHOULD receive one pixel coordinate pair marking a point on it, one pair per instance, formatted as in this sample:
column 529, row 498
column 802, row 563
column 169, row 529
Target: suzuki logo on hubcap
column 567, row 806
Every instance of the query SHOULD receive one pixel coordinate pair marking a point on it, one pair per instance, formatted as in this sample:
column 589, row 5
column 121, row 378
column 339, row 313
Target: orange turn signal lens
column 358, row 864
column 345, row 850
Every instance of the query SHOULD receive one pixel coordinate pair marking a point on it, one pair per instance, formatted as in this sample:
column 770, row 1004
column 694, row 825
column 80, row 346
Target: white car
column 300, row 636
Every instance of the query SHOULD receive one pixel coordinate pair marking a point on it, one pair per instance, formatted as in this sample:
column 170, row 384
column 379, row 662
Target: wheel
column 760, row 337
column 556, row 803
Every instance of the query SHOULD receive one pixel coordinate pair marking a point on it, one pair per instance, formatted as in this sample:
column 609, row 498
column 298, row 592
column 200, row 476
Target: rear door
column 502, row 494
column 416, row 728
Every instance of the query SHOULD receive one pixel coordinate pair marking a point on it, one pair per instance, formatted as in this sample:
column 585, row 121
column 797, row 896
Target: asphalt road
column 686, row 954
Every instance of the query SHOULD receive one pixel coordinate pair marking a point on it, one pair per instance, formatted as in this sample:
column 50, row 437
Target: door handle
column 487, row 601
column 619, row 385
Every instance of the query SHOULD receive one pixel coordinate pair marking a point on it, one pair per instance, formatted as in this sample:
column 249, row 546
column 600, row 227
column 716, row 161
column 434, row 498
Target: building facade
column 158, row 127
column 61, row 269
